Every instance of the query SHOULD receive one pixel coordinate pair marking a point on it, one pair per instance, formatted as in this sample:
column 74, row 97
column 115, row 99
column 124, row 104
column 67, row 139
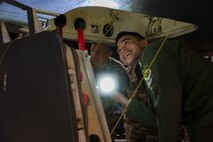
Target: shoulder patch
column 147, row 76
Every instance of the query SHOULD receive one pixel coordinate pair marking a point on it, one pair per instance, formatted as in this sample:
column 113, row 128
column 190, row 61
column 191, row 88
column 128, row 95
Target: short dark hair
column 123, row 33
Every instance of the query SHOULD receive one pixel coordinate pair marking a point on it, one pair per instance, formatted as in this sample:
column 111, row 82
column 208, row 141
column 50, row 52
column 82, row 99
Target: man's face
column 99, row 54
column 129, row 49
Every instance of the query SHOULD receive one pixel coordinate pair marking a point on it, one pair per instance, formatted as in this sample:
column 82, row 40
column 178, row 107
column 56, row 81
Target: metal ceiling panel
column 196, row 12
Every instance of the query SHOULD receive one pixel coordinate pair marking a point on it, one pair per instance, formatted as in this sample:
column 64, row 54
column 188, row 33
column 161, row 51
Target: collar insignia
column 147, row 76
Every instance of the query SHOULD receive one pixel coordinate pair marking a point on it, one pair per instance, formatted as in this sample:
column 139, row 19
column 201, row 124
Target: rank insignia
column 147, row 76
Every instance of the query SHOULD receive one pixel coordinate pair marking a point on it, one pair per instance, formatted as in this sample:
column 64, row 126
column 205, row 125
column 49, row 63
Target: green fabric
column 136, row 111
column 181, row 88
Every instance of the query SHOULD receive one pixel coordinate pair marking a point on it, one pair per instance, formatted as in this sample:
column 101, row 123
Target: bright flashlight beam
column 107, row 84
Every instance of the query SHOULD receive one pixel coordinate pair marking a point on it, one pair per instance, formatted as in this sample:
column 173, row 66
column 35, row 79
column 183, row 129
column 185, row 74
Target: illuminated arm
column 136, row 110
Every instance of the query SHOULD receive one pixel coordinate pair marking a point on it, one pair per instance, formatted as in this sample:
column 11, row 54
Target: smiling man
column 138, row 128
column 179, row 86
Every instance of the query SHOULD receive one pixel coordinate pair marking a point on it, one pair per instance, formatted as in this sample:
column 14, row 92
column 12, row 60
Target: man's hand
column 118, row 97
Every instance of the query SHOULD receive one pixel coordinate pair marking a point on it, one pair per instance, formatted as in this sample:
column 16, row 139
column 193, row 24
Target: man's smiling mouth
column 127, row 54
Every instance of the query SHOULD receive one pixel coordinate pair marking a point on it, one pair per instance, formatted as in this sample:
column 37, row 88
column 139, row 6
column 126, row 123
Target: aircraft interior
column 47, row 85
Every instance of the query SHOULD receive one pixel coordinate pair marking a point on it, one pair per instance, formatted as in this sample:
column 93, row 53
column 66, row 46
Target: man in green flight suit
column 179, row 83
column 105, row 65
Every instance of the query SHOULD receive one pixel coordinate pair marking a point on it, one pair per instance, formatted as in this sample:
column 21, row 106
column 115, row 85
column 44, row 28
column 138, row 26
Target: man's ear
column 144, row 42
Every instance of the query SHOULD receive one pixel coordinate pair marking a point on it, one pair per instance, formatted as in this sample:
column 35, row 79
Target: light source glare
column 107, row 84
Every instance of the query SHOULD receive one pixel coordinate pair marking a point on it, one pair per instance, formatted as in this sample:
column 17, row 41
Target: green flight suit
column 137, row 129
column 180, row 83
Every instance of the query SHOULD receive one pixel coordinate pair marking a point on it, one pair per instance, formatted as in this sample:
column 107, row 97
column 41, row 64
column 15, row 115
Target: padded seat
column 35, row 100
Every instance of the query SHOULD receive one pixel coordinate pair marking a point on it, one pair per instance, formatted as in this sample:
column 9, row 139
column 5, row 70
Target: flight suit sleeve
column 164, row 83
column 138, row 111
